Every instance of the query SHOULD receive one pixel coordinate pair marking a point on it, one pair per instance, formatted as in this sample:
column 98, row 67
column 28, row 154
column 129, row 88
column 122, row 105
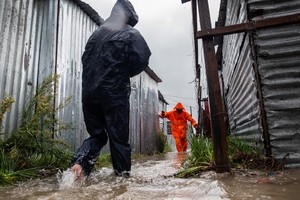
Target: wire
column 185, row 105
column 179, row 97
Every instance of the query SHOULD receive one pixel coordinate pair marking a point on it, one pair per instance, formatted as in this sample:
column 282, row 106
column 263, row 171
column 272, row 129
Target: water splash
column 67, row 179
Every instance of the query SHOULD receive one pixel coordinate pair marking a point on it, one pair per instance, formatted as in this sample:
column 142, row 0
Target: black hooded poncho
column 115, row 52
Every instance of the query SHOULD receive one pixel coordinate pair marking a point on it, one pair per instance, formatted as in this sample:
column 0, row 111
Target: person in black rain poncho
column 115, row 52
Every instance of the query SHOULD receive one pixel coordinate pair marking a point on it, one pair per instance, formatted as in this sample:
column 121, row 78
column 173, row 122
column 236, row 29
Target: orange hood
column 179, row 106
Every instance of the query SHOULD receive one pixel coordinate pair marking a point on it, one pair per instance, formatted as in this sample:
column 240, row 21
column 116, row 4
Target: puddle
column 263, row 185
column 152, row 179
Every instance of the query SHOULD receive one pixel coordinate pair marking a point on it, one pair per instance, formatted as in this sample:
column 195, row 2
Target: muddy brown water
column 152, row 179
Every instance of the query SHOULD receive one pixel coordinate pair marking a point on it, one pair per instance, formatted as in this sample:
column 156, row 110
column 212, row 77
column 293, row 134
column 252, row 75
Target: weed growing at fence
column 240, row 153
column 241, row 156
column 32, row 148
column 104, row 160
column 5, row 106
column 162, row 142
column 201, row 150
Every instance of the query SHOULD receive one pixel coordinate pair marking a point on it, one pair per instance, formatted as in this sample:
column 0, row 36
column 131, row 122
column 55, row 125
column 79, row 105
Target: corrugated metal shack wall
column 75, row 28
column 135, row 115
column 27, row 51
column 278, row 52
column 239, row 79
column 144, row 104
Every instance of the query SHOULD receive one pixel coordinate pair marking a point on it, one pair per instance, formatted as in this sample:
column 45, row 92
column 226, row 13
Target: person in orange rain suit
column 178, row 118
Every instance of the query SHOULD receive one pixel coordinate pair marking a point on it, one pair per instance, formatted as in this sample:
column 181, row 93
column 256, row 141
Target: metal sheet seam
column 266, row 134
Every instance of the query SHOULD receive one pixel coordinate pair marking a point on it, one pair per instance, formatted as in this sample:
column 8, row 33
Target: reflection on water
column 264, row 185
column 152, row 179
column 178, row 159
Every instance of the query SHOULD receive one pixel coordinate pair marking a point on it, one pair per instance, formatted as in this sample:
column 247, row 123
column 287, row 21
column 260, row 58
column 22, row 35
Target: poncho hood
column 123, row 13
column 179, row 106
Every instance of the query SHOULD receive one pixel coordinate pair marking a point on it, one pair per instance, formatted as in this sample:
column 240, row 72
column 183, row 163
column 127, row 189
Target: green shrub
column 33, row 146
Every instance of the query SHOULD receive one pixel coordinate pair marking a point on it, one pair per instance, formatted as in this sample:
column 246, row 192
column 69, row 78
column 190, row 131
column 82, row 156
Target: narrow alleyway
column 152, row 179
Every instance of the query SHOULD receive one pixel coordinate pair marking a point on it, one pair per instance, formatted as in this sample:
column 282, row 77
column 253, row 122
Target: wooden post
column 214, row 93
column 217, row 116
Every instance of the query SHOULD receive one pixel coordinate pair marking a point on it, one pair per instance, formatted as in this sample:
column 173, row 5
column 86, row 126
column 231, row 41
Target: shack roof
column 152, row 74
column 162, row 98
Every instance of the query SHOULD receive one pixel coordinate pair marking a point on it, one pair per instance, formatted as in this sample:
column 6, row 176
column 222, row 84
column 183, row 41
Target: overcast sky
column 166, row 26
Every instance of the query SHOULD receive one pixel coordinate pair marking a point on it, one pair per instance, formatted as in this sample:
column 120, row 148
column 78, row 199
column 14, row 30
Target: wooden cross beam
column 252, row 25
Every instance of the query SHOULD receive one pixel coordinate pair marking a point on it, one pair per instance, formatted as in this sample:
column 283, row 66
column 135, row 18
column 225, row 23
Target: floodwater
column 153, row 179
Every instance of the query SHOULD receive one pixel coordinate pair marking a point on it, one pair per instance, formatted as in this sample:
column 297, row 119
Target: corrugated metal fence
column 27, row 50
column 239, row 79
column 275, row 53
column 278, row 60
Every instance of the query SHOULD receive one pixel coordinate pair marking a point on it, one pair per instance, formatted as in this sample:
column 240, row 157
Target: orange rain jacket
column 179, row 125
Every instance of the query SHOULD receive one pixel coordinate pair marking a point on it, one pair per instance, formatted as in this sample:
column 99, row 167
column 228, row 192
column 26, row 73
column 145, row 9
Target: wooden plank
column 253, row 25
